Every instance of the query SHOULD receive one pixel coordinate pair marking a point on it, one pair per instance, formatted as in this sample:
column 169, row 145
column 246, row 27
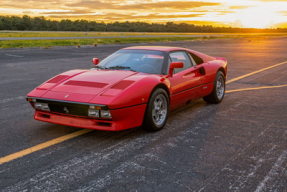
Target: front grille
column 66, row 108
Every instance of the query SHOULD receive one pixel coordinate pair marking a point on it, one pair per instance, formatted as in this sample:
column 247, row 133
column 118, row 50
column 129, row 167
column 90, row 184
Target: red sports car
column 135, row 86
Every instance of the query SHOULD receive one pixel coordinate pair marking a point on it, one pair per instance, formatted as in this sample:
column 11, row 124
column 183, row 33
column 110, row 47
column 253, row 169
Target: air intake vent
column 86, row 84
column 122, row 85
column 57, row 79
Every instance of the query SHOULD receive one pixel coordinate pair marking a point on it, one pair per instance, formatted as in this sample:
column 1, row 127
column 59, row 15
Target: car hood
column 83, row 86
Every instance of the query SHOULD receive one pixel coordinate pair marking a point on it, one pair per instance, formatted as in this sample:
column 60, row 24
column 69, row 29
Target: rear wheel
column 218, row 91
column 156, row 111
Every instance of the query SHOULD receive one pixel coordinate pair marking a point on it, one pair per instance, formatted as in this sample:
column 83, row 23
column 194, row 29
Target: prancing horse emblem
column 66, row 110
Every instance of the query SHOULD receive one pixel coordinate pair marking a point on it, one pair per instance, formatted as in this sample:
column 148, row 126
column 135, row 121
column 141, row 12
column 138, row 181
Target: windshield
column 136, row 60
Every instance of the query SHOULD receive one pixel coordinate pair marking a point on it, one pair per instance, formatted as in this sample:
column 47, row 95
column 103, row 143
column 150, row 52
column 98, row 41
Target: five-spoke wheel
column 156, row 111
column 159, row 110
column 218, row 91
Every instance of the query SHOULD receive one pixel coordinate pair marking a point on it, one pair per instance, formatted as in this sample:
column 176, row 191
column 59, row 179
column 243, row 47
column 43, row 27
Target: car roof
column 204, row 57
column 156, row 48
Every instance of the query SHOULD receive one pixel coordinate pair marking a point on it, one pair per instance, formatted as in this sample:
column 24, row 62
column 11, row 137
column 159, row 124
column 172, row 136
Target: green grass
column 95, row 34
column 82, row 34
column 93, row 42
column 61, row 34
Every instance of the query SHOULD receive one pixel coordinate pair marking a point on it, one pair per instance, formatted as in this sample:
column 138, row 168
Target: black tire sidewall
column 218, row 100
column 148, row 121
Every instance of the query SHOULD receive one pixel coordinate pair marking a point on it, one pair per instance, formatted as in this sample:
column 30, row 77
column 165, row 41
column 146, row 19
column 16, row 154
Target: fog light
column 45, row 107
column 38, row 105
column 93, row 112
column 106, row 114
column 42, row 106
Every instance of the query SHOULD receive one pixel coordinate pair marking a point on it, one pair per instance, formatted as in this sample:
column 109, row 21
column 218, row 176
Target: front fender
column 135, row 94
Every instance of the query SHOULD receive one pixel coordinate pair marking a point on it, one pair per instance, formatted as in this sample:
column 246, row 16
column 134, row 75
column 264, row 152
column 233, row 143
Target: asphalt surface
column 100, row 37
column 238, row 145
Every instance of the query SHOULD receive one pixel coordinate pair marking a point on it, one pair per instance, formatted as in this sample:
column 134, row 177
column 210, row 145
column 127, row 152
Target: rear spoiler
column 221, row 58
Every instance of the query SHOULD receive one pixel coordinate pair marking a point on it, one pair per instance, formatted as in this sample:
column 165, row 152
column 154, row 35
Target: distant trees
column 42, row 24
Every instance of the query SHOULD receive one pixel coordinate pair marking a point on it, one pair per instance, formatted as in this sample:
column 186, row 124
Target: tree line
column 43, row 24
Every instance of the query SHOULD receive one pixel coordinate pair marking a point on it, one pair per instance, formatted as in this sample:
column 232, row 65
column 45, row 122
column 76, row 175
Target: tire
column 156, row 111
column 218, row 91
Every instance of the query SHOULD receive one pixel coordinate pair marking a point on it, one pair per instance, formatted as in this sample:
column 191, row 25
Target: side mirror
column 96, row 61
column 174, row 65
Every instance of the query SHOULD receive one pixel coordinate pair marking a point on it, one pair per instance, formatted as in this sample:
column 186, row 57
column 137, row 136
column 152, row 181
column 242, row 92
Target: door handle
column 191, row 74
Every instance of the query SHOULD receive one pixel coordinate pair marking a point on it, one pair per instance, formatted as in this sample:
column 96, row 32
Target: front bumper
column 124, row 118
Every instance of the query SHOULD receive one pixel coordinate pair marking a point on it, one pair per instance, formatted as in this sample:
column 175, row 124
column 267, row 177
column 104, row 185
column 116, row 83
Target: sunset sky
column 235, row 13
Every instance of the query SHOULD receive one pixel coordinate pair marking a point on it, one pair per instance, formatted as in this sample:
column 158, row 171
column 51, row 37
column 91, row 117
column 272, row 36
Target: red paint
column 86, row 84
column 123, row 119
column 126, row 93
column 174, row 65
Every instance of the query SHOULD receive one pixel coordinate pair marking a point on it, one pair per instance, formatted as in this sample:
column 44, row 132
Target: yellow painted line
column 249, row 74
column 255, row 88
column 42, row 146
column 81, row 132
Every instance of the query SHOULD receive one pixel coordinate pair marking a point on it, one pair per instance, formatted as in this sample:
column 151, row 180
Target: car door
column 207, row 75
column 185, row 81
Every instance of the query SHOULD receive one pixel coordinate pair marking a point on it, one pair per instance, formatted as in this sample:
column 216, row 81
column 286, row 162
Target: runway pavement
column 238, row 145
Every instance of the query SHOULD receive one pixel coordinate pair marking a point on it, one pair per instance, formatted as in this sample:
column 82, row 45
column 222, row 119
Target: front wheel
column 156, row 111
column 218, row 91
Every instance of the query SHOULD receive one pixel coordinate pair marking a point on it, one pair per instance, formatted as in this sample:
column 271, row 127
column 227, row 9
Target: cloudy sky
column 245, row 13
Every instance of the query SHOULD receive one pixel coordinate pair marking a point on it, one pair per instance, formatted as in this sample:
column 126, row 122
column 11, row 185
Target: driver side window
column 180, row 56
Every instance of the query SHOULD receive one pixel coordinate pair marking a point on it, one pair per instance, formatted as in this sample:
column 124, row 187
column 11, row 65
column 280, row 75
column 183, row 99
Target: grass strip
column 100, row 34
column 78, row 42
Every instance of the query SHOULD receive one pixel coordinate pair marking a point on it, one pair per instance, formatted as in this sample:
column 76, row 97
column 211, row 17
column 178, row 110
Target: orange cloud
column 182, row 5
column 273, row 0
column 284, row 13
column 241, row 7
column 217, row 12
column 125, row 17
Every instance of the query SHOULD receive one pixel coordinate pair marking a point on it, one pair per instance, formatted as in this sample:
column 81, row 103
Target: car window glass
column 196, row 58
column 146, row 61
column 192, row 60
column 118, row 58
column 180, row 56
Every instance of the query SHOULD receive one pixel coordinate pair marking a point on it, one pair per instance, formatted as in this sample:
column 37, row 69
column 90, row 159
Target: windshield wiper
column 99, row 67
column 120, row 67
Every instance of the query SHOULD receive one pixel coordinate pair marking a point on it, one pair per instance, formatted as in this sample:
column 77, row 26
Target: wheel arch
column 222, row 70
column 147, row 125
column 164, row 87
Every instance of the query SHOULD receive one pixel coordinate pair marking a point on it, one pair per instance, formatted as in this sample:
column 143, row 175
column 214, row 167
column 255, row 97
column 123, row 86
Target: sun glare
column 257, row 17
column 234, row 13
